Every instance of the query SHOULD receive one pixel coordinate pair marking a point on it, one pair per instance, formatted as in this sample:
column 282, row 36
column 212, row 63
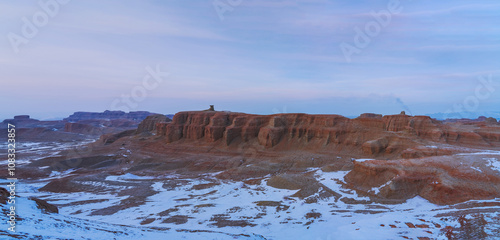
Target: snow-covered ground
column 32, row 151
column 238, row 205
column 209, row 208
column 38, row 225
column 288, row 218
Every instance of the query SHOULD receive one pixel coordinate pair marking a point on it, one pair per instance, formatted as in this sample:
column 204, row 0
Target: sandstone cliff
column 150, row 122
column 370, row 134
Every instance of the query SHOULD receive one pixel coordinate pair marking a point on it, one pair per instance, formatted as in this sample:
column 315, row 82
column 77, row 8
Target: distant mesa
column 24, row 121
column 137, row 116
column 99, row 123
column 465, row 115
column 488, row 120
column 22, row 117
column 80, row 125
column 372, row 134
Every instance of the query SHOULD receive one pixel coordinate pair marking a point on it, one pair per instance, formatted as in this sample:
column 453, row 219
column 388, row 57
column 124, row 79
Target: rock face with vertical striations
column 424, row 150
column 370, row 134
column 150, row 122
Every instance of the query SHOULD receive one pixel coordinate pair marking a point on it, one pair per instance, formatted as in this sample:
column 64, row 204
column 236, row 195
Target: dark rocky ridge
column 24, row 121
column 79, row 126
column 136, row 116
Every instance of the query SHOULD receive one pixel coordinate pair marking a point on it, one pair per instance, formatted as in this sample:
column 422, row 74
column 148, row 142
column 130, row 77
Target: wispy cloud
column 264, row 53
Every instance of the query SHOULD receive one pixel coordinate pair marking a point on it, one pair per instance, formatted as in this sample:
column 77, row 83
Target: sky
column 255, row 56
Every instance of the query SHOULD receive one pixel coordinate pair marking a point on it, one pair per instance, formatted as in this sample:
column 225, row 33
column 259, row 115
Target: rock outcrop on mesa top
column 370, row 134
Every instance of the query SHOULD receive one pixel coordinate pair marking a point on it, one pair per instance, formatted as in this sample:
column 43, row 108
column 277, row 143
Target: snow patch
column 376, row 190
column 489, row 152
column 363, row 159
column 476, row 168
column 493, row 163
column 56, row 174
column 125, row 177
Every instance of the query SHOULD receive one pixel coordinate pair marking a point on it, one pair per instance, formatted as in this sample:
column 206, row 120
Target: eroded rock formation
column 441, row 180
column 150, row 122
column 371, row 134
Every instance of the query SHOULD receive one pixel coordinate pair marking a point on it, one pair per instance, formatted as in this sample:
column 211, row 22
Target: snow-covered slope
column 175, row 207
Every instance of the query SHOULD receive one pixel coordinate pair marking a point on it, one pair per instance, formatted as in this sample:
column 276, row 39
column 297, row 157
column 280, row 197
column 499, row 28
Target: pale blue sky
column 262, row 57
